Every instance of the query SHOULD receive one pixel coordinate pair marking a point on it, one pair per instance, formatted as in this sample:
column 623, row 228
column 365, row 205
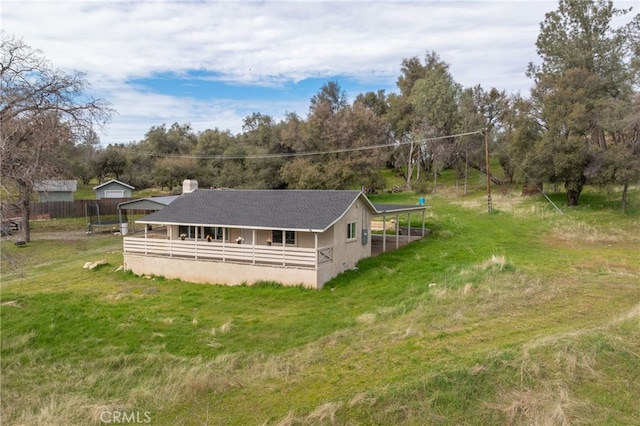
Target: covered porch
column 390, row 235
column 223, row 251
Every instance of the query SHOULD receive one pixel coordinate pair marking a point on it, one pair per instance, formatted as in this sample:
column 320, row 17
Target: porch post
column 253, row 246
column 284, row 247
column 384, row 233
column 224, row 243
column 315, row 237
column 195, row 241
column 397, row 231
column 146, row 241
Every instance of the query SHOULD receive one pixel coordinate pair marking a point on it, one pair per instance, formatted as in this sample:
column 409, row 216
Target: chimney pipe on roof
column 189, row 185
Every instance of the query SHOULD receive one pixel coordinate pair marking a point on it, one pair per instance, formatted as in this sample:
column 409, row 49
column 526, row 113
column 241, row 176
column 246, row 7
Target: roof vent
column 189, row 185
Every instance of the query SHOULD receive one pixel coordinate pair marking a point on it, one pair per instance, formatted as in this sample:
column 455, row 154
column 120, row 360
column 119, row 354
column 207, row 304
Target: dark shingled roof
column 313, row 210
column 149, row 203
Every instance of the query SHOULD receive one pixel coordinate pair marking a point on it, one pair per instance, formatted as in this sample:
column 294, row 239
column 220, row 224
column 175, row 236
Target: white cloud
column 268, row 43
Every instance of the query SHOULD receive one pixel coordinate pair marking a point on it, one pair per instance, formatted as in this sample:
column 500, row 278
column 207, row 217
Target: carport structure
column 143, row 205
column 401, row 236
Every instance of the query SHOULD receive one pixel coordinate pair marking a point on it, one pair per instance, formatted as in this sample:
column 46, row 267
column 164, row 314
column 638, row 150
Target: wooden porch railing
column 228, row 252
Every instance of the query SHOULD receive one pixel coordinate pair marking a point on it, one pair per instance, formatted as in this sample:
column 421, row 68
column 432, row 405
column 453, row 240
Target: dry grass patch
column 226, row 327
column 324, row 414
column 555, row 368
column 494, row 263
column 505, row 202
column 366, row 318
column 575, row 232
column 550, row 405
column 18, row 341
column 362, row 398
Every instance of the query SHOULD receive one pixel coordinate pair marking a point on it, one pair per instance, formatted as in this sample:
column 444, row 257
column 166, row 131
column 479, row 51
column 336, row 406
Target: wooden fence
column 68, row 209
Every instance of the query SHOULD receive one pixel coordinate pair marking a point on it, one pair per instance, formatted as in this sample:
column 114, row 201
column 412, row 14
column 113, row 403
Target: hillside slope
column 522, row 316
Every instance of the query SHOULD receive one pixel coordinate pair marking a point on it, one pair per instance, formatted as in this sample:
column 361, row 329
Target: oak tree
column 585, row 65
column 41, row 109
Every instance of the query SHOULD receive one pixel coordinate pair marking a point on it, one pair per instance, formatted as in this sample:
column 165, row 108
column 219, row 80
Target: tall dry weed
column 226, row 327
column 324, row 414
column 574, row 230
column 552, row 404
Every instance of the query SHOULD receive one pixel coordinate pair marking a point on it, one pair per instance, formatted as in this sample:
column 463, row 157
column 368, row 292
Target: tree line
column 580, row 124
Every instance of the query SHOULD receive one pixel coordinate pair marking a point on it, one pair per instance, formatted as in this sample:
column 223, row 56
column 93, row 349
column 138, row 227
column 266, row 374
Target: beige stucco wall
column 209, row 272
column 346, row 254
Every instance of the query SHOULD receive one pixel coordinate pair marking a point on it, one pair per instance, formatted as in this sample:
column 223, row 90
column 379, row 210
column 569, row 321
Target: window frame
column 277, row 236
column 193, row 232
column 217, row 232
column 190, row 231
column 352, row 231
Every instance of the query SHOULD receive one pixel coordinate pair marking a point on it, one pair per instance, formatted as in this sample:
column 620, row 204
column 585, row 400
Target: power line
column 303, row 154
column 529, row 177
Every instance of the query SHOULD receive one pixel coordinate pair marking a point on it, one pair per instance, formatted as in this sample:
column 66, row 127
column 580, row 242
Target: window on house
column 351, row 231
column 197, row 232
column 221, row 232
column 289, row 237
column 216, row 232
column 209, row 232
column 185, row 231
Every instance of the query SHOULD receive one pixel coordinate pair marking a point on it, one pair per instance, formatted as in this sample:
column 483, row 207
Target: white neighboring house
column 294, row 237
column 113, row 189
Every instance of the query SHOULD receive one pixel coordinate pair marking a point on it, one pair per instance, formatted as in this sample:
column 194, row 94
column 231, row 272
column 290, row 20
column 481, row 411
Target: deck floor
column 377, row 240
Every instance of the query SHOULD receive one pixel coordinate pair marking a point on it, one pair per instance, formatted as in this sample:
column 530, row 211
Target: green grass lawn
column 521, row 316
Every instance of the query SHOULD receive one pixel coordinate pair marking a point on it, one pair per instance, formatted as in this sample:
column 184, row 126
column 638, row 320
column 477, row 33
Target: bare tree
column 41, row 110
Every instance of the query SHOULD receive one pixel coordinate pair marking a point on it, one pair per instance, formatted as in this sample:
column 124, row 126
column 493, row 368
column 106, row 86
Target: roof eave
column 114, row 181
column 219, row 225
column 402, row 209
column 355, row 199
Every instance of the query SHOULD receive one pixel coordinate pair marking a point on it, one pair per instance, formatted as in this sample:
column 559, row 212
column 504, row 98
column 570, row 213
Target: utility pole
column 486, row 159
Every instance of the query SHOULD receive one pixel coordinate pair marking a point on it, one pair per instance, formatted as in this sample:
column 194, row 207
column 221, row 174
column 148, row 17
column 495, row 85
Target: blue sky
column 211, row 64
column 202, row 86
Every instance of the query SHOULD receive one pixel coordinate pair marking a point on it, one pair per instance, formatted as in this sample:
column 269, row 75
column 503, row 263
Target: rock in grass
column 93, row 265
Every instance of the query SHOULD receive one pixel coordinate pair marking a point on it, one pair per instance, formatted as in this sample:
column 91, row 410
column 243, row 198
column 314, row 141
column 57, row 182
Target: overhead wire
column 528, row 177
column 338, row 151
column 303, row 154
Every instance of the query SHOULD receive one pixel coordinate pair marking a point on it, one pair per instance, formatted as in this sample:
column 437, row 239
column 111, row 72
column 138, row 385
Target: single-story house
column 294, row 237
column 56, row 190
column 113, row 189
